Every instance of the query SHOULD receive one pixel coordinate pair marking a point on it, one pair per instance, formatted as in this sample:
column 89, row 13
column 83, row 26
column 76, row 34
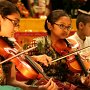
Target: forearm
column 11, row 80
column 22, row 85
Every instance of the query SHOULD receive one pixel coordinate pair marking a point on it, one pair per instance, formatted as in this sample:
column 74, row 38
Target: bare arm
column 11, row 80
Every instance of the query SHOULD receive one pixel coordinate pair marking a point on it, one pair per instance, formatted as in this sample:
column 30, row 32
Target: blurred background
column 34, row 13
column 37, row 8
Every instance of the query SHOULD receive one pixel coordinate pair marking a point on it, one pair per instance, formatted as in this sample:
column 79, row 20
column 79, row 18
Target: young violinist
column 55, row 45
column 9, row 23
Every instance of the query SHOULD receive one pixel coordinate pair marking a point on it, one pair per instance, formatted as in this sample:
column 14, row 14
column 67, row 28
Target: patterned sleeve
column 39, row 42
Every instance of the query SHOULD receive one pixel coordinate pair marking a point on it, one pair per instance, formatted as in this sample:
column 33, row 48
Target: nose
column 16, row 29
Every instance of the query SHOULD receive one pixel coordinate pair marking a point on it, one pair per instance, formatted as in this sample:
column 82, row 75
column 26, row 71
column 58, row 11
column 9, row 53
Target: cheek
column 57, row 31
column 64, row 34
column 7, row 28
column 60, row 33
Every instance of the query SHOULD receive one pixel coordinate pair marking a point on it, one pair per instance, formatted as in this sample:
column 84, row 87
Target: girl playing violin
column 58, row 26
column 9, row 23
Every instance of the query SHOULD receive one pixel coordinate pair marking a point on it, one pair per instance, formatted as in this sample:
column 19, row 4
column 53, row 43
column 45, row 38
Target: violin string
column 70, row 54
column 33, row 63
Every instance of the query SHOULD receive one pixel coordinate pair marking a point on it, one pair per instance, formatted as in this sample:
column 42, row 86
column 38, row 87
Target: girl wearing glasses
column 9, row 22
column 58, row 26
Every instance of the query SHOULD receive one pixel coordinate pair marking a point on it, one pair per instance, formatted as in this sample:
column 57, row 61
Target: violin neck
column 34, row 65
column 78, row 58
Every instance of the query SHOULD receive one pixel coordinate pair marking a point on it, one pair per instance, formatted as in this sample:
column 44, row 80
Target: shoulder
column 42, row 39
column 88, row 38
column 75, row 37
column 73, row 42
column 72, row 36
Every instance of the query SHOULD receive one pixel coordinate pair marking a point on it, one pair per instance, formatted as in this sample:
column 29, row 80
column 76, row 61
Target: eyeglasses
column 15, row 22
column 61, row 26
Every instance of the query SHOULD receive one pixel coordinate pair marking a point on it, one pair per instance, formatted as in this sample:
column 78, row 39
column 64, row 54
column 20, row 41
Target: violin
column 26, row 69
column 74, row 62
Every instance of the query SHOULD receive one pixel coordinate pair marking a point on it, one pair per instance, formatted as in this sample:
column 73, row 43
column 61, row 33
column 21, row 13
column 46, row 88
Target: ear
column 81, row 25
column 49, row 25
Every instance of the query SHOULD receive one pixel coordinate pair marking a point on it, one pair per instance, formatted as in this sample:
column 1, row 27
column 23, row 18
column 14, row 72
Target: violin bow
column 24, row 51
column 70, row 54
column 33, row 63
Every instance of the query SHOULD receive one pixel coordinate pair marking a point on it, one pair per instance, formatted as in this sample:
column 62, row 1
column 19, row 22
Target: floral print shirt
column 59, row 69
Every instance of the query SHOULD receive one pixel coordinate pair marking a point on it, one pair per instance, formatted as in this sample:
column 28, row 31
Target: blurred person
column 23, row 10
column 82, row 35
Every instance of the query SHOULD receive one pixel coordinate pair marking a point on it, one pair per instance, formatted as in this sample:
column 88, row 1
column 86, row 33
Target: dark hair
column 14, row 1
column 7, row 8
column 84, row 18
column 53, row 17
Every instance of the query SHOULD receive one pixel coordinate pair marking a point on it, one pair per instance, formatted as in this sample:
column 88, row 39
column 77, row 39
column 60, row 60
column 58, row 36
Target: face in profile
column 86, row 29
column 9, row 24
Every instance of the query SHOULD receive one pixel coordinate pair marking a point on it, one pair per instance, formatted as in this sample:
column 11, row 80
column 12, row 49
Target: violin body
column 75, row 67
column 65, row 47
column 23, row 67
